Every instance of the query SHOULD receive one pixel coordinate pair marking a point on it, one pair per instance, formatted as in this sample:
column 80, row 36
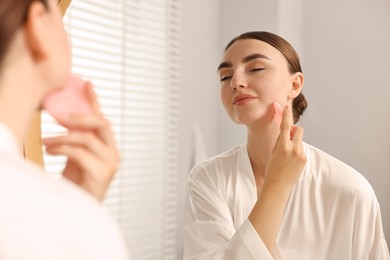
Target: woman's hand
column 90, row 148
column 288, row 158
column 282, row 172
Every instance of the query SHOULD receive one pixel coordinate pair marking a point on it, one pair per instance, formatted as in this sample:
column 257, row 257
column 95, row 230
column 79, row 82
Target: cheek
column 274, row 90
column 226, row 99
column 64, row 42
column 64, row 55
column 225, row 96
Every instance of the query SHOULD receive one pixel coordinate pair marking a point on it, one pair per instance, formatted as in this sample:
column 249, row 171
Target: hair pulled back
column 13, row 15
column 299, row 103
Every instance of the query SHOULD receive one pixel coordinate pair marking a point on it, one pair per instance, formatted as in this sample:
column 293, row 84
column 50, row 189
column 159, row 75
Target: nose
column 238, row 81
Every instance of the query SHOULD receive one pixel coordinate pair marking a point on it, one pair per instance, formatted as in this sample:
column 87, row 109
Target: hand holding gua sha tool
column 71, row 99
column 277, row 118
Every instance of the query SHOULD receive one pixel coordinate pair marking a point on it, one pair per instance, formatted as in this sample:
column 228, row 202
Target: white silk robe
column 332, row 212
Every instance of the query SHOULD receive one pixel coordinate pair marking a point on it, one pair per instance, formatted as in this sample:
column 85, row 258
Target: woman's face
column 253, row 75
column 58, row 47
column 61, row 52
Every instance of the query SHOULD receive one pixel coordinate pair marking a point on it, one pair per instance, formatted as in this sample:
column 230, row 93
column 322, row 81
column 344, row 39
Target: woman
column 276, row 197
column 41, row 217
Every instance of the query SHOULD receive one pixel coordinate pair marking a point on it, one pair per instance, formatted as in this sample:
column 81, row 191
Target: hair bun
column 299, row 105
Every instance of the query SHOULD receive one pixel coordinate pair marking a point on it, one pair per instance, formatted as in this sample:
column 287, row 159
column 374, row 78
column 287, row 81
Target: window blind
column 129, row 49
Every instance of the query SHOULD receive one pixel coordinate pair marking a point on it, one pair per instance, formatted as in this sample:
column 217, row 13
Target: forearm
column 283, row 170
column 267, row 213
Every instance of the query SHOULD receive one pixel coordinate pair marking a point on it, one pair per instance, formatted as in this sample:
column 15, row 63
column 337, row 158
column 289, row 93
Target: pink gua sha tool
column 277, row 118
column 278, row 113
column 71, row 99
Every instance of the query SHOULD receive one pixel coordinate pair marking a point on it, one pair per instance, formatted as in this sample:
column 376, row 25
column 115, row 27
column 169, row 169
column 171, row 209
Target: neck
column 260, row 144
column 19, row 99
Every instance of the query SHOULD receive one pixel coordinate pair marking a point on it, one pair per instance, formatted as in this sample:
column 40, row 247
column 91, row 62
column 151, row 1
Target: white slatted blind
column 129, row 50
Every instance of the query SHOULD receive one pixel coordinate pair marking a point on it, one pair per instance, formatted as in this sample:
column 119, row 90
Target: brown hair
column 299, row 103
column 13, row 14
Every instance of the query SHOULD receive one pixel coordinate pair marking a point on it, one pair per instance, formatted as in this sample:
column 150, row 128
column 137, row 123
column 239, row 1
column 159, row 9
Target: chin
column 62, row 80
column 249, row 118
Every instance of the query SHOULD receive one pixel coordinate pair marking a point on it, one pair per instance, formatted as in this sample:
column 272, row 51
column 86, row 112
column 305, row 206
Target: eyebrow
column 246, row 59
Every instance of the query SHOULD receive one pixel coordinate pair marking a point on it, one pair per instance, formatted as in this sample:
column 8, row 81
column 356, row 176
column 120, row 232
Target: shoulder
column 34, row 203
column 217, row 163
column 335, row 174
column 24, row 180
column 215, row 171
column 27, row 187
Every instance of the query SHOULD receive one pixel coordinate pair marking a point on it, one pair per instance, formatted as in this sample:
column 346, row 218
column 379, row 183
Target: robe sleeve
column 368, row 237
column 210, row 233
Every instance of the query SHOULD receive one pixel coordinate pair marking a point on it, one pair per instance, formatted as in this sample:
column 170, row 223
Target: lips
column 242, row 97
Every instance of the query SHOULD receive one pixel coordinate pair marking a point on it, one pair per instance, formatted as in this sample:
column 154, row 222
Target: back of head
column 299, row 103
column 13, row 15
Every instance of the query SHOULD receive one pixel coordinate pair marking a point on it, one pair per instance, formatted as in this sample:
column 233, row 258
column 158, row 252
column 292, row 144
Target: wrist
column 276, row 190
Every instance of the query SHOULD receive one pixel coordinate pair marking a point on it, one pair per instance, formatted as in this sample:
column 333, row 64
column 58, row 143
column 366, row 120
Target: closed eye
column 257, row 69
column 225, row 78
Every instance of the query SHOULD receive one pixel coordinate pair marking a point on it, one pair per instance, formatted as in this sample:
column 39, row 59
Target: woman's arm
column 210, row 232
column 283, row 170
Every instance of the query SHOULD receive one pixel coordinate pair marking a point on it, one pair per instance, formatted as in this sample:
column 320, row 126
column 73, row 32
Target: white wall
column 346, row 48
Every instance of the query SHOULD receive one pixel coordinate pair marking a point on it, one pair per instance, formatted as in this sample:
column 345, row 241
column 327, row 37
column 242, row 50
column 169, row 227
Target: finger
column 92, row 123
column 276, row 144
column 92, row 97
column 297, row 134
column 87, row 142
column 83, row 122
column 285, row 125
column 49, row 141
column 292, row 131
column 70, row 151
column 84, row 159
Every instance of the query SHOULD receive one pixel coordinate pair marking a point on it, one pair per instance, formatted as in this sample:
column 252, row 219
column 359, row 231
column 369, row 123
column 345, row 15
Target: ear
column 296, row 85
column 35, row 30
